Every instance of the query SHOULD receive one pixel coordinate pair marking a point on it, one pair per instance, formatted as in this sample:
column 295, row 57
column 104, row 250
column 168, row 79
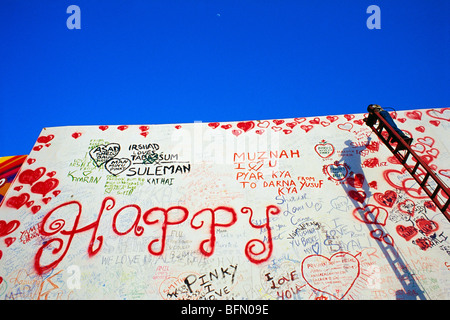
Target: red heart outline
column 434, row 111
column 380, row 215
column 213, row 124
column 414, row 115
column 387, row 199
column 318, row 286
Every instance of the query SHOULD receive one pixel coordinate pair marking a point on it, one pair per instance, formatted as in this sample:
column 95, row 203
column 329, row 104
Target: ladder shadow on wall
column 363, row 211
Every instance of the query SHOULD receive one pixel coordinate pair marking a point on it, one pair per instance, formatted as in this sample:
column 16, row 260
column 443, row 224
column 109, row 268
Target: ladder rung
column 415, row 167
column 424, row 181
column 438, row 187
column 406, row 157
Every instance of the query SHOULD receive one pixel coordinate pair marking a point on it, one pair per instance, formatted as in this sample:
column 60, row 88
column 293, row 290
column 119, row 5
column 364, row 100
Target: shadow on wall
column 374, row 217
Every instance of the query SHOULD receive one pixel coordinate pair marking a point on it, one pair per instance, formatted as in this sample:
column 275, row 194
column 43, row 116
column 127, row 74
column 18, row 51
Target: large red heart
column 387, row 199
column 8, row 227
column 247, row 125
column 406, row 232
column 31, row 176
column 44, row 187
column 371, row 214
column 357, row 181
column 427, row 226
column 18, row 201
column 335, row 275
column 443, row 114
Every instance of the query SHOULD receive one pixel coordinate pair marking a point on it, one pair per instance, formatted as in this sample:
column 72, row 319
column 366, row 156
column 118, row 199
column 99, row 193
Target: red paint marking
column 334, row 276
column 250, row 252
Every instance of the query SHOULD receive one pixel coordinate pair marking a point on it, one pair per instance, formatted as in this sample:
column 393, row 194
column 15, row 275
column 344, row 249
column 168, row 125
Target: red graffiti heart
column 332, row 118
column 45, row 139
column 379, row 235
column 406, row 232
column 427, row 226
column 414, row 115
column 443, row 114
column 359, row 196
column 278, row 122
column 9, row 241
column 76, row 135
column 291, row 124
column 247, row 125
column 371, row 214
column 357, row 181
column 387, row 199
column 18, row 201
column 430, row 205
column 435, row 122
column 429, row 141
column 35, row 209
column 373, row 184
column 306, row 127
column 31, row 176
column 420, row 129
column 315, row 121
column 236, row 132
column 349, row 116
column 226, row 126
column 103, row 128
column 122, row 128
column 45, row 187
column 213, row 124
column 264, row 124
column 8, row 227
column 335, row 275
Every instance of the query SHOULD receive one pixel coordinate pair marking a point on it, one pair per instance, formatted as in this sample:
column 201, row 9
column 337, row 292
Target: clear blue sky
column 166, row 61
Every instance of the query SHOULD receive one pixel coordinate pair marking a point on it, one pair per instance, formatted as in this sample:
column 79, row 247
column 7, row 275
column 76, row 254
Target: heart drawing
column 371, row 214
column 335, row 275
column 117, row 166
column 103, row 153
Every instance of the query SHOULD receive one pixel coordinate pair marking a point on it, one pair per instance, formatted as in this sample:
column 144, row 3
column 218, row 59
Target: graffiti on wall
column 302, row 208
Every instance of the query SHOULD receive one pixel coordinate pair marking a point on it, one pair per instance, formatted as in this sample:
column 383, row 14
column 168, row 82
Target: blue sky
column 166, row 61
